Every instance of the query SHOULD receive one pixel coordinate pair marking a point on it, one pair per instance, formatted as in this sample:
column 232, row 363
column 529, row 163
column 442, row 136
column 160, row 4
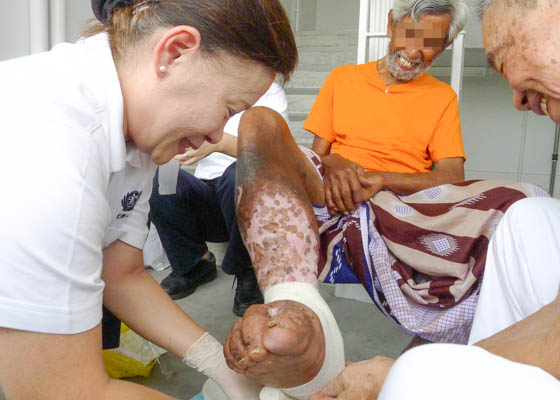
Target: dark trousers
column 201, row 211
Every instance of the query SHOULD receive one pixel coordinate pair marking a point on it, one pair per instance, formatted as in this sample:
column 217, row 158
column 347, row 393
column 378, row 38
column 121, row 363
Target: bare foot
column 280, row 344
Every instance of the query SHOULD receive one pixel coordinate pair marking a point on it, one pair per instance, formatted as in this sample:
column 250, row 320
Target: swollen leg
column 276, row 186
column 294, row 337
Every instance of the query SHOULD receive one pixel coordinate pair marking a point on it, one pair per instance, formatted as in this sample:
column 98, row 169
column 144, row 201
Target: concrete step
column 327, row 56
column 302, row 79
column 301, row 136
column 327, row 39
column 300, row 103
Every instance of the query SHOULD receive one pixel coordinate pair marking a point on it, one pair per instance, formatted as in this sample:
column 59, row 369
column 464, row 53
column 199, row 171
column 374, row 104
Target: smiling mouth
column 405, row 64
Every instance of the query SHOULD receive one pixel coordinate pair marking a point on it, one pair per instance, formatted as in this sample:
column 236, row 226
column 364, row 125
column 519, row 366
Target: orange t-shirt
column 400, row 128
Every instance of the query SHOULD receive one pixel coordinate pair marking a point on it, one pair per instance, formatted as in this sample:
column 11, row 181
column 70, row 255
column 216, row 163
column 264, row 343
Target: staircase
column 319, row 53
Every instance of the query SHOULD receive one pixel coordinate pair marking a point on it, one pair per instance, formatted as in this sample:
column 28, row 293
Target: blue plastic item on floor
column 198, row 397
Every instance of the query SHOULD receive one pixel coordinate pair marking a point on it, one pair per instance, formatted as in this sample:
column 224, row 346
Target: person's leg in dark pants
column 110, row 330
column 236, row 260
column 185, row 221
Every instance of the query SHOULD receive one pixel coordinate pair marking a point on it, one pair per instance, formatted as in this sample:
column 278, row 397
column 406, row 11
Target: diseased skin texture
column 280, row 344
column 280, row 236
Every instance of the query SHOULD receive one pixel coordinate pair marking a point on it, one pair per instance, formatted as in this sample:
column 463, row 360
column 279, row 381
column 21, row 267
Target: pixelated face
column 523, row 45
column 415, row 44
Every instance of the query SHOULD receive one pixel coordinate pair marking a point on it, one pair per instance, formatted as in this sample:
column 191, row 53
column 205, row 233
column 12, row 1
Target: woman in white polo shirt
column 83, row 127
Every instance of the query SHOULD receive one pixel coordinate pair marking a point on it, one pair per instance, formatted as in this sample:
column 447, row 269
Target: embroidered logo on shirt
column 129, row 201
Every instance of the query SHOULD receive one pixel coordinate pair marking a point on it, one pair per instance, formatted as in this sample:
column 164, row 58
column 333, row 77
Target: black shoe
column 179, row 286
column 247, row 293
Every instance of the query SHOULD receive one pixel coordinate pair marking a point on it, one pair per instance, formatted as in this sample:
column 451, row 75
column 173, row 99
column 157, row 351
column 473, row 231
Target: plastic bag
column 134, row 357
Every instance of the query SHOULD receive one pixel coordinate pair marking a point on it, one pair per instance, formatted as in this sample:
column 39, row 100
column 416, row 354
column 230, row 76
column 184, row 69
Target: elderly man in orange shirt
column 364, row 205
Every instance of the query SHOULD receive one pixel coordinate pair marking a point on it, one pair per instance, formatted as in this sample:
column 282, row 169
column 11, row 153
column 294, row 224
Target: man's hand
column 346, row 184
column 358, row 381
column 192, row 156
column 280, row 344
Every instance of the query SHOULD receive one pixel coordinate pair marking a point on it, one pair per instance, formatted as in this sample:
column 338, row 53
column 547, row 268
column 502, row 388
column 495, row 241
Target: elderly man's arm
column 345, row 183
column 447, row 170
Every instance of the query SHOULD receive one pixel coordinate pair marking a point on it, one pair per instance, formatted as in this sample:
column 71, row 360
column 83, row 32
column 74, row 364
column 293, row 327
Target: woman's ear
column 176, row 44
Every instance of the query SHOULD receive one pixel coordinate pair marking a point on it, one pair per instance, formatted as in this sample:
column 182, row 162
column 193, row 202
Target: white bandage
column 309, row 296
column 206, row 355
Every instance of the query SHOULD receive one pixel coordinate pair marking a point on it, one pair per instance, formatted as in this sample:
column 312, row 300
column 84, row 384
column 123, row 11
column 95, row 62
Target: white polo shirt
column 215, row 164
column 70, row 185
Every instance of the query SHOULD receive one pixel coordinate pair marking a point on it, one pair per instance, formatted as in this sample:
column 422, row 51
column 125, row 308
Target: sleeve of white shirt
column 137, row 223
column 131, row 226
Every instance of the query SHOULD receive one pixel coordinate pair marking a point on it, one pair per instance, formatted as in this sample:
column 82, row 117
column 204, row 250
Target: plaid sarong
column 420, row 257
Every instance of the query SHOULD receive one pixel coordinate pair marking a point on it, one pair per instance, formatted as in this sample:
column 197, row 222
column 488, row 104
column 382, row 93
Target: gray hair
column 416, row 8
column 483, row 5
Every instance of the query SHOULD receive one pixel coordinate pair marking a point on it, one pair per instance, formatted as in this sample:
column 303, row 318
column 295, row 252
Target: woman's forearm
column 139, row 301
column 228, row 145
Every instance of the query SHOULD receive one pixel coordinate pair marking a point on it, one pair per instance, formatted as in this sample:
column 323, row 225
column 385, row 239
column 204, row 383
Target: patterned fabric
column 420, row 257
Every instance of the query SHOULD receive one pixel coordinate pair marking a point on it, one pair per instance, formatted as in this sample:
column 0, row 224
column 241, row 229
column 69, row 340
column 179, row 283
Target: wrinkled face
column 415, row 44
column 192, row 105
column 523, row 45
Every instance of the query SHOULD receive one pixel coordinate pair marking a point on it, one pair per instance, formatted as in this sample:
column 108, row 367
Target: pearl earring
column 162, row 69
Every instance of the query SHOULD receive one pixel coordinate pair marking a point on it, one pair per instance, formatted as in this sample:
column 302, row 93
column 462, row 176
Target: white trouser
column 458, row 372
column 522, row 272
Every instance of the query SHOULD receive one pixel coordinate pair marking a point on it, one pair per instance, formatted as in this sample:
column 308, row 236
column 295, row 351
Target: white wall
column 14, row 25
column 14, row 28
column 501, row 142
column 337, row 15
column 78, row 14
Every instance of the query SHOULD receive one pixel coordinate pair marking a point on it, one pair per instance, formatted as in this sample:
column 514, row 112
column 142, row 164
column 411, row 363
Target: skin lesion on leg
column 280, row 234
column 281, row 343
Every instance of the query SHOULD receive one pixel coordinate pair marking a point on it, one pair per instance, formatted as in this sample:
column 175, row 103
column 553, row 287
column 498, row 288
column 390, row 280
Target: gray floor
column 365, row 330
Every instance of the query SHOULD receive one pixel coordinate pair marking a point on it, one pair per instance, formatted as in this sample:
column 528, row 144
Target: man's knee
column 260, row 123
column 524, row 253
column 534, row 212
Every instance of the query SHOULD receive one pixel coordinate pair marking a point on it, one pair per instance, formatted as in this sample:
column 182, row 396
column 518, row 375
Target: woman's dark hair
column 256, row 30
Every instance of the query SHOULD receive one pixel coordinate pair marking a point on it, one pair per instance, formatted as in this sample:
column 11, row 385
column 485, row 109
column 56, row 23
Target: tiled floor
column 366, row 332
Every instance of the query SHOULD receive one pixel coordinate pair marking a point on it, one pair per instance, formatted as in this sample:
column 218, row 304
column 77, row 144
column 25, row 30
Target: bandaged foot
column 292, row 342
column 206, row 355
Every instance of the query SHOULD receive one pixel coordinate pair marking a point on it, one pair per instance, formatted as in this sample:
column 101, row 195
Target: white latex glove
column 206, row 355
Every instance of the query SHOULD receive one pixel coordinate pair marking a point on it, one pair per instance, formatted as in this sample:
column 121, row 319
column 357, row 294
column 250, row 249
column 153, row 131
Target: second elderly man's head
column 522, row 41
column 420, row 30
